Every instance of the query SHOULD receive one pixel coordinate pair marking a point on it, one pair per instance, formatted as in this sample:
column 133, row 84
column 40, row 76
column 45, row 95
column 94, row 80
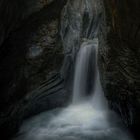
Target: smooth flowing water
column 87, row 79
column 88, row 117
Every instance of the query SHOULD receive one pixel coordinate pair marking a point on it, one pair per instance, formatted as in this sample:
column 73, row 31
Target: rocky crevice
column 119, row 59
column 39, row 65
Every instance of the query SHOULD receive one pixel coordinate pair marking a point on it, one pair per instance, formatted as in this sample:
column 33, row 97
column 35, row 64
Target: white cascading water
column 86, row 72
column 87, row 118
column 81, row 71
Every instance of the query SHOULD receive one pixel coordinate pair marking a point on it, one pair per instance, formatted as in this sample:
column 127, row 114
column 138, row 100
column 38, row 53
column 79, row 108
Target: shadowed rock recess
column 120, row 60
column 38, row 40
column 31, row 55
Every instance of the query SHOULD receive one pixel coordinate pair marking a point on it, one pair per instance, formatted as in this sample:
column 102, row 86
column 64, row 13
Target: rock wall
column 31, row 56
column 120, row 59
column 13, row 12
column 32, row 53
column 79, row 22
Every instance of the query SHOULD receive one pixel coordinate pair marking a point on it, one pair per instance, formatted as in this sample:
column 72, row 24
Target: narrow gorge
column 69, row 70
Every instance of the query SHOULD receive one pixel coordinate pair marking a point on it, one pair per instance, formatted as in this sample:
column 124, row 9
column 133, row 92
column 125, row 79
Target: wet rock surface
column 36, row 65
column 31, row 58
column 120, row 59
column 12, row 14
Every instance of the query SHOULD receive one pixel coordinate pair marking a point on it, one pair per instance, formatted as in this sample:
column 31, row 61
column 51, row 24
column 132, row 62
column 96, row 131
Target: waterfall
column 82, row 68
column 88, row 116
column 86, row 119
column 86, row 79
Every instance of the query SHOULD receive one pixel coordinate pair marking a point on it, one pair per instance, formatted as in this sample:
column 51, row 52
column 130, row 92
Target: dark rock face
column 31, row 57
column 13, row 12
column 32, row 78
column 30, row 53
column 120, row 59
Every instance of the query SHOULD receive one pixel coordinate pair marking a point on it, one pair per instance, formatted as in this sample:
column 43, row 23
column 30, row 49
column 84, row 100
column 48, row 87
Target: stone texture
column 120, row 59
column 13, row 12
column 31, row 56
column 30, row 59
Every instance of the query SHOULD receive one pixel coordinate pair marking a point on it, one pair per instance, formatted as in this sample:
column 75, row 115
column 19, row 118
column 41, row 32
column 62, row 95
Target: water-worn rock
column 32, row 53
column 120, row 59
column 31, row 58
column 12, row 14
column 79, row 21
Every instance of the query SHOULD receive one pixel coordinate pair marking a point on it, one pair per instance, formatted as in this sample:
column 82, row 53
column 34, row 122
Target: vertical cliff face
column 79, row 21
column 13, row 12
column 30, row 47
column 120, row 59
column 31, row 55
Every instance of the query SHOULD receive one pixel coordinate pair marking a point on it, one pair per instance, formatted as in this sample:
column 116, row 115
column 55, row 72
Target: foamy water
column 76, row 122
column 87, row 118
